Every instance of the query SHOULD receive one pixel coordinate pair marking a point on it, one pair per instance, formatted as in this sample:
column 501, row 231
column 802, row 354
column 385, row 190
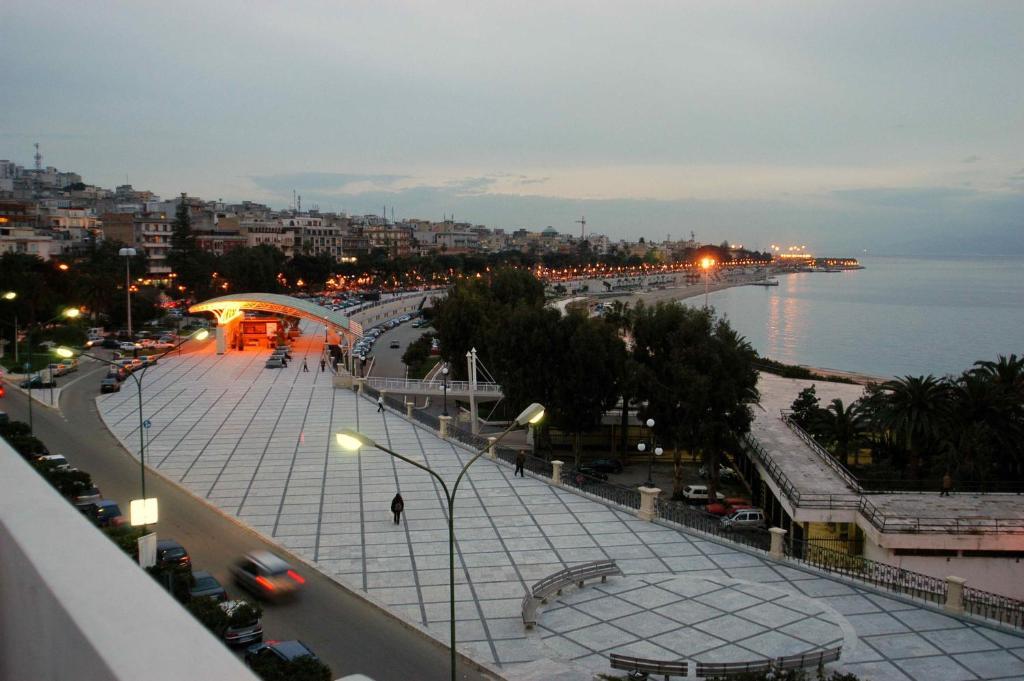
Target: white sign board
column 147, row 550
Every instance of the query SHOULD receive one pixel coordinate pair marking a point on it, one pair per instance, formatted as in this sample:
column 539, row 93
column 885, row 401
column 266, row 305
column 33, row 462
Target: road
column 388, row 361
column 348, row 633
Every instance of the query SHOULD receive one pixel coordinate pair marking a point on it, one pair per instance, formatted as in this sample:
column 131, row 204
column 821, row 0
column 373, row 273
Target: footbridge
column 483, row 392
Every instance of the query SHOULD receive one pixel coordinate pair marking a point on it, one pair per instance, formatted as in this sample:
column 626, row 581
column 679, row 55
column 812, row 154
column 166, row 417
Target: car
column 586, row 474
column 724, row 472
column 699, row 494
column 163, row 345
column 171, row 554
column 128, row 346
column 86, row 496
column 126, row 364
column 148, row 360
column 104, row 513
column 54, row 462
column 110, row 344
column 606, row 465
column 37, row 381
column 277, row 651
column 117, row 373
column 404, row 318
column 206, row 586
column 135, row 364
column 110, row 384
column 244, row 623
column 745, row 519
column 56, row 369
column 274, row 362
column 266, row 575
column 395, row 345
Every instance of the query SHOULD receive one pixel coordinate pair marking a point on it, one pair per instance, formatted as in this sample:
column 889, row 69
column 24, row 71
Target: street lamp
column 201, row 334
column 353, row 440
column 9, row 296
column 128, row 254
column 641, row 447
column 69, row 313
column 706, row 264
column 444, row 375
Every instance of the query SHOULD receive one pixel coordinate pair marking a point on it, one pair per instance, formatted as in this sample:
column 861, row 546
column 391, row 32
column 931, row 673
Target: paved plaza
column 258, row 443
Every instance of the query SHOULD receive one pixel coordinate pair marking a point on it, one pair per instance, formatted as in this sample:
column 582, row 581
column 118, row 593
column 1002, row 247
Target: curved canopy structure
column 227, row 308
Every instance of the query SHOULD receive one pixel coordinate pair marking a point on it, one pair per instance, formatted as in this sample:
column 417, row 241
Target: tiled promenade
column 258, row 443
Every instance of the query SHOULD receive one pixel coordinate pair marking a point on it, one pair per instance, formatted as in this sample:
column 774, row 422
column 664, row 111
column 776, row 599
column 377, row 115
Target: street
column 349, row 634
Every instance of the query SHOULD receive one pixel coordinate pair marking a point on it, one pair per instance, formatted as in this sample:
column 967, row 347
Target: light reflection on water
column 898, row 316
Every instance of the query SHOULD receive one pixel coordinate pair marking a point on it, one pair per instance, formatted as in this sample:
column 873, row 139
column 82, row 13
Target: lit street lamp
column 199, row 335
column 706, row 264
column 11, row 295
column 444, row 375
column 128, row 254
column 655, row 451
column 353, row 440
column 69, row 313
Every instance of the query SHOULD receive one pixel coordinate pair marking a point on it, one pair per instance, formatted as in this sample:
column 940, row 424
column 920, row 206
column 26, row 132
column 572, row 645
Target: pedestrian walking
column 520, row 462
column 947, row 485
column 323, row 364
column 397, row 506
column 305, row 367
column 380, row 405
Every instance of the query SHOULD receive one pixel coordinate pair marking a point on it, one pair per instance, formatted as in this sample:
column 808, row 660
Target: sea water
column 898, row 316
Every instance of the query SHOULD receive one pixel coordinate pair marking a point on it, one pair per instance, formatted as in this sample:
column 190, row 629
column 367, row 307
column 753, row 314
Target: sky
column 847, row 126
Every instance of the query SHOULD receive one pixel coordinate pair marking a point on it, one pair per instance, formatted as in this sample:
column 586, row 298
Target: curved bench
column 553, row 584
column 639, row 665
column 802, row 661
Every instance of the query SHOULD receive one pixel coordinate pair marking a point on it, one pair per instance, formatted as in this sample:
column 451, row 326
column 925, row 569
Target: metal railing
column 1009, row 611
column 774, row 470
column 849, row 478
column 609, row 491
column 694, row 518
column 398, row 385
column 881, row 575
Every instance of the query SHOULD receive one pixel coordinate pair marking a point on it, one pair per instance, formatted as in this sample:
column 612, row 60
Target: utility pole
column 582, row 222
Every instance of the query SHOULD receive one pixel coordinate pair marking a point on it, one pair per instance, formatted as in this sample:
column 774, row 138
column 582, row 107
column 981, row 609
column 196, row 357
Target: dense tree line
column 970, row 426
column 682, row 367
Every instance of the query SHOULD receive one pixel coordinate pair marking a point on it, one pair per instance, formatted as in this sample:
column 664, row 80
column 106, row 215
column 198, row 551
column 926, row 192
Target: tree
column 305, row 668
column 841, row 427
column 697, row 381
column 193, row 266
column 916, row 409
column 590, row 368
column 620, row 317
column 210, row 615
column 251, row 269
column 805, row 408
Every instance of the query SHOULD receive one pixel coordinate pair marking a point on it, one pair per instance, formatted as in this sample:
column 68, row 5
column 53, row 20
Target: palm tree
column 842, row 426
column 917, row 410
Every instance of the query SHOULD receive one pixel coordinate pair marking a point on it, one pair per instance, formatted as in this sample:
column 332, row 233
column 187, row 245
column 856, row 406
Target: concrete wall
column 395, row 308
column 998, row 575
column 74, row 606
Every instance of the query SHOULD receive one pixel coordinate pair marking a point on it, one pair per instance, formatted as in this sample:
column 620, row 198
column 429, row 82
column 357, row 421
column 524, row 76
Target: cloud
column 903, row 197
column 321, row 182
column 971, row 159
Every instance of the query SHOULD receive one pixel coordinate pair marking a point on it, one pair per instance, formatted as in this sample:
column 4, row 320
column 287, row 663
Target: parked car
column 728, row 506
column 109, row 384
column 699, row 494
column 38, row 381
column 54, row 461
column 274, row 362
column 206, row 586
column 395, row 345
column 110, row 343
column 128, row 346
column 104, row 513
column 724, row 472
column 746, row 519
column 241, row 631
column 171, row 554
column 266, row 575
column 87, row 496
column 606, row 465
column 147, row 360
column 284, row 651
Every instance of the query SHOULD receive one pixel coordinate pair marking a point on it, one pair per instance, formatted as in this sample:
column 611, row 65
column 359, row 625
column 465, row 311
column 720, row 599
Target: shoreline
column 653, row 297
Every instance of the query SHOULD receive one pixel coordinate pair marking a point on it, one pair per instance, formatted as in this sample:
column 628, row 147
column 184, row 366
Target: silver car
column 745, row 519
column 266, row 575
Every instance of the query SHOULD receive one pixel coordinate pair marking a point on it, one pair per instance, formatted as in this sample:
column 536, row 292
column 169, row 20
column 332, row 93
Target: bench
column 637, row 665
column 816, row 659
column 553, row 584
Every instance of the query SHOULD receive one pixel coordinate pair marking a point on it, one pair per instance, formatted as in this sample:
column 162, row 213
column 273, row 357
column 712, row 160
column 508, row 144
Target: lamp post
column 199, row 335
column 11, row 295
column 444, row 375
column 654, row 450
column 128, row 254
column 706, row 264
column 69, row 313
column 353, row 440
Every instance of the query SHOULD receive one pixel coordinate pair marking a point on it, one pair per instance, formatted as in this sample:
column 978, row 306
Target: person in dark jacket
column 397, row 506
column 520, row 462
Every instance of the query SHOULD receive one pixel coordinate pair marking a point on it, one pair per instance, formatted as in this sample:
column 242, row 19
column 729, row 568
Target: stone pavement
column 258, row 444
